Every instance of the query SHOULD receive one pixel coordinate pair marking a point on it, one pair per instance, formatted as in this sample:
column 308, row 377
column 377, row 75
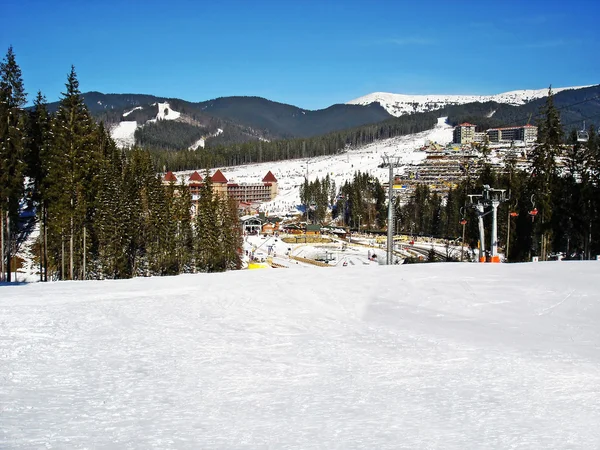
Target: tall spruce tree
column 207, row 232
column 544, row 171
column 12, row 145
column 73, row 173
column 37, row 154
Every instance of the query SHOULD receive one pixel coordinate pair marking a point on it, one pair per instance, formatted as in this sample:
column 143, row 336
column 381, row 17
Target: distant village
column 443, row 167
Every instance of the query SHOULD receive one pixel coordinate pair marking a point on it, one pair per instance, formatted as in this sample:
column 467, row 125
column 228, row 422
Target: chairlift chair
column 582, row 135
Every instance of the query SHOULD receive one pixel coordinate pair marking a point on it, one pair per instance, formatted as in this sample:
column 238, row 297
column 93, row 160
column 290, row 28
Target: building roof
column 170, row 176
column 195, row 177
column 218, row 177
column 269, row 178
column 513, row 128
column 467, row 124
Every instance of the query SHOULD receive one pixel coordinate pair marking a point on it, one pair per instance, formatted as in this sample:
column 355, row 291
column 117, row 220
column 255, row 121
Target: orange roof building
column 218, row 177
column 170, row 177
column 269, row 178
column 248, row 193
column 195, row 178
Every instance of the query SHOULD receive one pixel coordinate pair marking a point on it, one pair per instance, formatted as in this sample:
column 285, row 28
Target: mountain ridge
column 400, row 104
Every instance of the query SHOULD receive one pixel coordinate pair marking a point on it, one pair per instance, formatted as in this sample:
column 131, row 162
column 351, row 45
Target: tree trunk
column 45, row 218
column 2, row 272
column 8, row 250
column 62, row 256
column 71, row 247
column 84, row 253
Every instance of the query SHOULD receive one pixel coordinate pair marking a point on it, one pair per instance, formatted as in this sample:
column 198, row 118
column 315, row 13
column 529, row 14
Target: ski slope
column 291, row 174
column 448, row 356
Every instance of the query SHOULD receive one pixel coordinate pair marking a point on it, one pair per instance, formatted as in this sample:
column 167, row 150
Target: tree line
column 102, row 212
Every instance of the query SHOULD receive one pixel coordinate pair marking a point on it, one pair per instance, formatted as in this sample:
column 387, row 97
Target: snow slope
column 400, row 104
column 134, row 109
column 124, row 133
column 201, row 142
column 449, row 356
column 341, row 167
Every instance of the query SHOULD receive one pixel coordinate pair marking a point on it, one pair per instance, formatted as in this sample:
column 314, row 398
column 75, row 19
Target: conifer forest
column 102, row 212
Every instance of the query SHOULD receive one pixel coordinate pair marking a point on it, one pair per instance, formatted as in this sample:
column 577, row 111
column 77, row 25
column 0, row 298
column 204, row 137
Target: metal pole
column 507, row 237
column 462, row 244
column 390, row 236
column 479, row 208
column 494, row 246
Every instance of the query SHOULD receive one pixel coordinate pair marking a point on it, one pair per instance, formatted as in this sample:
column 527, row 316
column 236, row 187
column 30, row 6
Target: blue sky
column 308, row 53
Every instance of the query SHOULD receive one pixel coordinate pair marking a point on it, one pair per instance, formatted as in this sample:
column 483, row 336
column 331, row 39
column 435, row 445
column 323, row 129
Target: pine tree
column 207, row 233
column 229, row 235
column 12, row 144
column 36, row 157
column 73, row 174
column 544, row 170
column 184, row 239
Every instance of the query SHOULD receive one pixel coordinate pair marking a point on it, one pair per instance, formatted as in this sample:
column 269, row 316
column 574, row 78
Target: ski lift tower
column 392, row 162
column 496, row 196
column 489, row 197
column 479, row 207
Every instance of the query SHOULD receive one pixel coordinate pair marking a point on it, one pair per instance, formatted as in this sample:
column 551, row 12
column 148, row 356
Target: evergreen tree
column 37, row 154
column 75, row 164
column 544, row 172
column 207, row 234
column 184, row 239
column 12, row 165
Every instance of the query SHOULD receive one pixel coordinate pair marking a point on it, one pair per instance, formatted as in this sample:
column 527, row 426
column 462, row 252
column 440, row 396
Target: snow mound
column 400, row 104
column 421, row 356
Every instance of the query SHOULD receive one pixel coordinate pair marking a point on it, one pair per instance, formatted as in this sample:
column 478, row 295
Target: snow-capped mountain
column 401, row 104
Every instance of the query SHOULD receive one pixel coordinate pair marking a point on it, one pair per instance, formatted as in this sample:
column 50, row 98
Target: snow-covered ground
column 400, row 104
column 134, row 109
column 341, row 167
column 124, row 133
column 449, row 356
column 200, row 142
